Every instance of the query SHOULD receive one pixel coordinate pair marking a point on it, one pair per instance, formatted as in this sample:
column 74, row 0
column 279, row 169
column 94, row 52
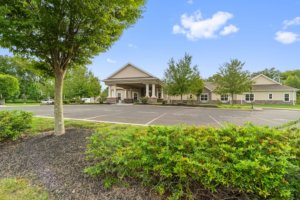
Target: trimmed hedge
column 14, row 123
column 258, row 161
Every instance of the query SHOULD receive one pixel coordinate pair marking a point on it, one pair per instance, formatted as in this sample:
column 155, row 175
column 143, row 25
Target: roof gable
column 264, row 80
column 130, row 71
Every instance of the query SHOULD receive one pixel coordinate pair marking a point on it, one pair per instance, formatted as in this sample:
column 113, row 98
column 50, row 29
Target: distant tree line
column 32, row 85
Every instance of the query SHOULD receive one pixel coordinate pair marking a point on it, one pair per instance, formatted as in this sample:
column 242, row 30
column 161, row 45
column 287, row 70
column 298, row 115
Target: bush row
column 14, row 123
column 257, row 161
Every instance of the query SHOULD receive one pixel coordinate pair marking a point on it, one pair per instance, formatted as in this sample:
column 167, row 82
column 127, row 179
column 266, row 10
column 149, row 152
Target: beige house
column 130, row 83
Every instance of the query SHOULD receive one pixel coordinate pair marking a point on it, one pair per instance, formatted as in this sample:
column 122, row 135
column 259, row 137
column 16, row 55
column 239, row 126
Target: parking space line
column 267, row 120
column 95, row 117
column 90, row 120
column 215, row 120
column 156, row 118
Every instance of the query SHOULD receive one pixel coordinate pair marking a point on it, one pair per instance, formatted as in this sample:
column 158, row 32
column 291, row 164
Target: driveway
column 166, row 115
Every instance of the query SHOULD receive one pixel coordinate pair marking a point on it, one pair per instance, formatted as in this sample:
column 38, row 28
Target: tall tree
column 272, row 73
column 231, row 79
column 80, row 82
column 9, row 87
column 63, row 33
column 24, row 71
column 181, row 78
column 291, row 78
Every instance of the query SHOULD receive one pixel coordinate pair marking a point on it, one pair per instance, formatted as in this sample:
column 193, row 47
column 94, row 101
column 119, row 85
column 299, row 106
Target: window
column 224, row 97
column 249, row 97
column 204, row 97
column 270, row 96
column 286, row 97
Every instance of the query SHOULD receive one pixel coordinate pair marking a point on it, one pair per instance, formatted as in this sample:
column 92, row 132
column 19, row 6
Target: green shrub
column 14, row 123
column 22, row 101
column 66, row 101
column 144, row 100
column 253, row 160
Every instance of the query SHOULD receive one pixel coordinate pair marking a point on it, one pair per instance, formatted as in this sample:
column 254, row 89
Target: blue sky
column 262, row 33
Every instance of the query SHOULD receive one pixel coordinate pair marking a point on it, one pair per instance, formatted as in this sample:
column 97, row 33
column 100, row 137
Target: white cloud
column 293, row 22
column 111, row 61
column 130, row 45
column 196, row 27
column 286, row 37
column 190, row 1
column 229, row 29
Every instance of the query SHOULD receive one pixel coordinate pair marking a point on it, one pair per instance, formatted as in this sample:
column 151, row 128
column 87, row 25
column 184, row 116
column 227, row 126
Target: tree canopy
column 81, row 83
column 63, row 33
column 23, row 69
column 272, row 73
column 181, row 78
column 9, row 86
column 291, row 78
column 232, row 79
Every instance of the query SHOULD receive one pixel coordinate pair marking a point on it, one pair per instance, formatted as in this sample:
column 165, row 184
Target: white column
column 109, row 91
column 162, row 93
column 125, row 94
column 153, row 91
column 147, row 90
column 114, row 94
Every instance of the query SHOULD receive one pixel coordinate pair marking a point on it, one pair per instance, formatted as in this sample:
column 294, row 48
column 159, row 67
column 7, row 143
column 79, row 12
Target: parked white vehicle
column 88, row 100
column 47, row 101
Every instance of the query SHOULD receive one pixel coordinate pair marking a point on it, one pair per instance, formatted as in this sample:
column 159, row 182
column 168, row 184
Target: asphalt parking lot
column 166, row 115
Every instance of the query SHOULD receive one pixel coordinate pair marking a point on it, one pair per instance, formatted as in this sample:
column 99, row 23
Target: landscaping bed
column 133, row 162
column 57, row 163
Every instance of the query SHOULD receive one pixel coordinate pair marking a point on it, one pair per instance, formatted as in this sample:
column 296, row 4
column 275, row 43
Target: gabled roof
column 265, row 77
column 258, row 87
column 272, row 87
column 145, row 74
column 210, row 86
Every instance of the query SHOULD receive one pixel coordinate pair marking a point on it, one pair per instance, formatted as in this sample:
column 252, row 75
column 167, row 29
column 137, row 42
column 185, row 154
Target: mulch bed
column 57, row 163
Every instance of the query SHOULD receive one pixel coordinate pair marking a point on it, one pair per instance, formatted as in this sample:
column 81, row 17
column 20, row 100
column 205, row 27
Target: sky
column 261, row 33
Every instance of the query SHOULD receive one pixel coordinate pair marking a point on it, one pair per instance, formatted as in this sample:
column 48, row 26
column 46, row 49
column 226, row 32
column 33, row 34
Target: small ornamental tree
column 231, row 79
column 180, row 78
column 9, row 87
column 62, row 33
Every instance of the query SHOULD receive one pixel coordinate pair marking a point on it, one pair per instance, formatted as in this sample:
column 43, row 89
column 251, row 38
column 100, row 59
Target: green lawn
column 41, row 124
column 22, row 104
column 20, row 189
column 297, row 106
column 248, row 106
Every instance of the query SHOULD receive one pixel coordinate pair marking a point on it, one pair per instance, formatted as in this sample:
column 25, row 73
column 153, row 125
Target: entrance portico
column 130, row 83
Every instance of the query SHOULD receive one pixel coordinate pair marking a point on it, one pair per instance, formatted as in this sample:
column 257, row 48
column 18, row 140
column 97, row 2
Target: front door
column 119, row 96
column 135, row 96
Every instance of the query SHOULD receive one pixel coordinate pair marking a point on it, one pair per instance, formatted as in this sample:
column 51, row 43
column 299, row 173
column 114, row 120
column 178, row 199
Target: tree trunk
column 2, row 101
column 59, row 128
column 181, row 98
column 232, row 98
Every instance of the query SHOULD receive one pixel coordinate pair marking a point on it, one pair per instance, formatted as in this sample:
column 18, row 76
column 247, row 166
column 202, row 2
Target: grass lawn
column 20, row 189
column 248, row 106
column 41, row 124
column 297, row 106
column 22, row 104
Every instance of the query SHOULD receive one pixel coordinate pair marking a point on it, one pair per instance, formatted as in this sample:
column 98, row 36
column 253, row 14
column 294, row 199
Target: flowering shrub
column 253, row 160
